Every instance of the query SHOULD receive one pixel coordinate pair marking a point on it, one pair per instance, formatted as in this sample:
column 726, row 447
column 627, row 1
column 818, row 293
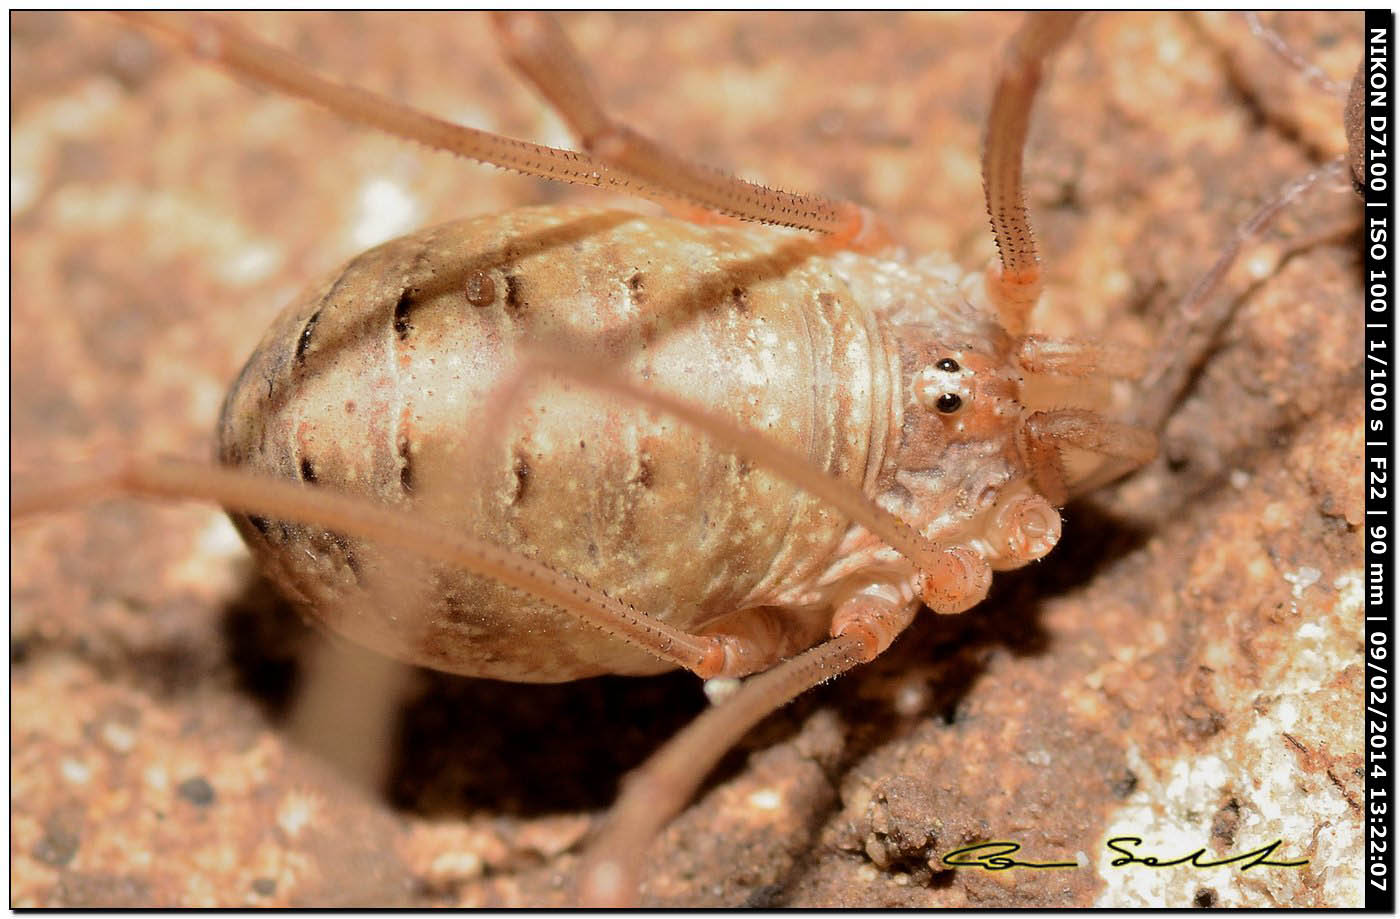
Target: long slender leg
column 1289, row 55
column 232, row 48
column 240, row 491
column 539, row 50
column 954, row 578
column 863, row 627
column 1016, row 286
column 644, row 169
column 1194, row 325
column 791, row 466
column 1196, row 321
column 1192, row 328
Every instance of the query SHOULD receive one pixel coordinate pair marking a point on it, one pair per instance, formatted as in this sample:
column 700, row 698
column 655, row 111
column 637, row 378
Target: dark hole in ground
column 463, row 744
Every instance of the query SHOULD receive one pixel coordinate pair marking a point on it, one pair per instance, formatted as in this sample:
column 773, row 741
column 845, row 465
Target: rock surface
column 1184, row 668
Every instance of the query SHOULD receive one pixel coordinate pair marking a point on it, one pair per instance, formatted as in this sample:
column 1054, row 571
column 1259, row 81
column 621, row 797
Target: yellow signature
column 996, row 856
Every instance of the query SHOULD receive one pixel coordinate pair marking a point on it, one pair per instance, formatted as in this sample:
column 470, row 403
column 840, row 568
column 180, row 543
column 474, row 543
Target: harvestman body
column 886, row 393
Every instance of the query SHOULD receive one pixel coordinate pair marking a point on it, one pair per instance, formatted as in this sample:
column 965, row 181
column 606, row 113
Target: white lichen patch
column 250, row 264
column 766, row 799
column 36, row 136
column 118, row 737
column 1278, row 771
column 385, row 209
column 298, row 810
column 1302, row 579
column 74, row 771
column 210, row 567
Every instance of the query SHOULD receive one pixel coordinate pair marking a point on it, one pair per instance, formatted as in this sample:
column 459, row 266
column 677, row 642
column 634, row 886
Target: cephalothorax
column 736, row 442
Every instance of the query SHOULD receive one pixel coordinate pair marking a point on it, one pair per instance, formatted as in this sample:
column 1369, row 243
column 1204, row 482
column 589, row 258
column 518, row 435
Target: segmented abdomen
column 380, row 383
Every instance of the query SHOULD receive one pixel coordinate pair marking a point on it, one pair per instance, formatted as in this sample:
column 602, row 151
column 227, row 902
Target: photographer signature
column 996, row 856
column 1252, row 859
column 993, row 856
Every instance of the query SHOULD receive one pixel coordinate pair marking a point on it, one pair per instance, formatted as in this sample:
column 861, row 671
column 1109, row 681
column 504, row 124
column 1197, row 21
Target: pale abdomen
column 378, row 384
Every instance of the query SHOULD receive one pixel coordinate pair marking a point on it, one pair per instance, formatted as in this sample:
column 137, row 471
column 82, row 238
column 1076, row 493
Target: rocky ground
column 1184, row 668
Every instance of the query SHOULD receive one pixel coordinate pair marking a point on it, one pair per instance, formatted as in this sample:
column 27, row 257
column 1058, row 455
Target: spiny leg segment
column 543, row 55
column 1193, row 327
column 625, row 161
column 1015, row 287
column 239, row 490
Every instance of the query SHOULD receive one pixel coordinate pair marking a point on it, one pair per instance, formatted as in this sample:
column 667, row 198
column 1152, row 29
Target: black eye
column 948, row 365
column 949, row 402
